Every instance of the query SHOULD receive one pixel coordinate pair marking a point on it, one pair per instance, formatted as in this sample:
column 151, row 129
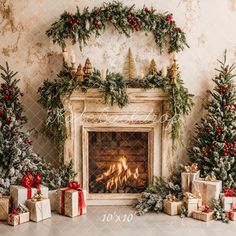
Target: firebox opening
column 118, row 162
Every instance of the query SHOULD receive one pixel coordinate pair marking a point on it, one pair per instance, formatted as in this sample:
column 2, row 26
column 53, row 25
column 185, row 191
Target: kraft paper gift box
column 70, row 205
column 187, row 179
column 52, row 195
column 172, row 207
column 203, row 216
column 17, row 219
column 209, row 190
column 39, row 209
column 4, row 207
column 192, row 204
column 20, row 194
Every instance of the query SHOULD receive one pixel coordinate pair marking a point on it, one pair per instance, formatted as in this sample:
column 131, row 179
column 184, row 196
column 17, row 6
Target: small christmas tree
column 214, row 146
column 16, row 154
column 129, row 67
column 153, row 67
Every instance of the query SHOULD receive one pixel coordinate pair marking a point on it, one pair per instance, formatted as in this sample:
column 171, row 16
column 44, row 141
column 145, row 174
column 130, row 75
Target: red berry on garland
column 132, row 26
column 22, row 94
column 206, row 154
column 6, row 97
column 8, row 119
column 226, row 69
column 1, row 112
column 137, row 29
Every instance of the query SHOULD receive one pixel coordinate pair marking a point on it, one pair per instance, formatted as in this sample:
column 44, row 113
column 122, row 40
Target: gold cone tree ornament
column 129, row 66
column 80, row 74
column 153, row 67
column 88, row 69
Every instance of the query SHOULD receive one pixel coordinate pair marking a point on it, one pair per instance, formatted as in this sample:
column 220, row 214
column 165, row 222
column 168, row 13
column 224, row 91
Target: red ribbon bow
column 206, row 209
column 28, row 181
column 229, row 192
column 81, row 202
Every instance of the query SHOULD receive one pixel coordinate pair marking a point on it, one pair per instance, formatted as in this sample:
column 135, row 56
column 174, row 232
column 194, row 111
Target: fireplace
column 118, row 162
column 117, row 152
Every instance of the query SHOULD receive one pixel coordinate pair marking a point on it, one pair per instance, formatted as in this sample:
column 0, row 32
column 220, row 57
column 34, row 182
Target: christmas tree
column 16, row 154
column 129, row 67
column 214, row 146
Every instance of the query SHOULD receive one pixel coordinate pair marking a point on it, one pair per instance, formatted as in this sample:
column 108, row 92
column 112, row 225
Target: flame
column 119, row 174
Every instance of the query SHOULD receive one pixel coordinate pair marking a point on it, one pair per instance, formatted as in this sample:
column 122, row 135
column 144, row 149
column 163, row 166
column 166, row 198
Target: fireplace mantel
column 86, row 112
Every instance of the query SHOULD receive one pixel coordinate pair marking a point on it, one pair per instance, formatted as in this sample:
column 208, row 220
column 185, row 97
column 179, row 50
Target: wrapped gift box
column 209, row 190
column 17, row 219
column 231, row 215
column 52, row 195
column 192, row 204
column 203, row 216
column 20, row 194
column 69, row 204
column 187, row 179
column 172, row 207
column 4, row 207
column 228, row 203
column 39, row 209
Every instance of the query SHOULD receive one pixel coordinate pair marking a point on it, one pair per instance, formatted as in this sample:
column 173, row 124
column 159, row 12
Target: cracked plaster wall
column 209, row 25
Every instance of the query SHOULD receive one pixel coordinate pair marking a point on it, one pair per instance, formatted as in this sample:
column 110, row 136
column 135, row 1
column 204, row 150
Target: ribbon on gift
column 192, row 195
column 171, row 198
column 206, row 209
column 28, row 181
column 81, row 202
column 229, row 192
column 210, row 178
column 15, row 212
column 191, row 169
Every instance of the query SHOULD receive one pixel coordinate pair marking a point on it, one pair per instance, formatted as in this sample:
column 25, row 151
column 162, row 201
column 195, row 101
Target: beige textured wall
column 209, row 25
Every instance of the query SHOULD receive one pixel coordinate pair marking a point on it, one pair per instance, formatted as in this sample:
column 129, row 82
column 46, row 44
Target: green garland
column 114, row 92
column 79, row 27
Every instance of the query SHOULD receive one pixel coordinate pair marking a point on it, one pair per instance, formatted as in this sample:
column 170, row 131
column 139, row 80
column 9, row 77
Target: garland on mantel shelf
column 113, row 89
column 79, row 27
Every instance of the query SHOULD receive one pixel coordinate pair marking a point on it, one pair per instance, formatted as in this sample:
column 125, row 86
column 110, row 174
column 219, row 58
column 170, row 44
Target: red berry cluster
column 97, row 24
column 222, row 90
column 204, row 152
column 71, row 20
column 134, row 22
column 28, row 142
column 229, row 147
column 219, row 130
column 147, row 10
column 170, row 19
column 8, row 119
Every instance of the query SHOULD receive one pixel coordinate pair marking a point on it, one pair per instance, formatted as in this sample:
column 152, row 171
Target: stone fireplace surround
column 85, row 112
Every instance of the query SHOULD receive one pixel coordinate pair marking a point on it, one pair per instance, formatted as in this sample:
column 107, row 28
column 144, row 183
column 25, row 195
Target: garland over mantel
column 79, row 27
column 113, row 90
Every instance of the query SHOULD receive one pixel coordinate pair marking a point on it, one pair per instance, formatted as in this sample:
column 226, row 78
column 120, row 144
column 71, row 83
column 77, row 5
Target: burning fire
column 117, row 175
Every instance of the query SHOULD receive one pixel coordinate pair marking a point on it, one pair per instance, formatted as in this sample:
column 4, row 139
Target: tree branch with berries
column 79, row 27
column 214, row 146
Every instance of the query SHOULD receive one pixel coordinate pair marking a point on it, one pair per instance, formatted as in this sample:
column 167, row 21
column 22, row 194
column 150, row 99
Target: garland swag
column 79, row 27
column 114, row 91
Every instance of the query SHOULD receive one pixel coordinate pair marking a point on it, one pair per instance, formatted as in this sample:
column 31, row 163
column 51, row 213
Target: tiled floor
column 120, row 221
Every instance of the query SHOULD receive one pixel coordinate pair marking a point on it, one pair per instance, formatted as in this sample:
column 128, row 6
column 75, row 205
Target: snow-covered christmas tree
column 16, row 154
column 214, row 146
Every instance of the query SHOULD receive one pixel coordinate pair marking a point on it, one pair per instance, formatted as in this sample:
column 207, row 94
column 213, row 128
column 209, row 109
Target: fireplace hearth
column 117, row 152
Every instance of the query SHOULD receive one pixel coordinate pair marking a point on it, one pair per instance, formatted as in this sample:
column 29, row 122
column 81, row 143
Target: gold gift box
column 172, row 207
column 203, row 216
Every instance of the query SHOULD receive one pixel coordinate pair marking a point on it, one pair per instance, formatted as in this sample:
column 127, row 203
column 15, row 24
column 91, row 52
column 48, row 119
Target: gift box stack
column 199, row 195
column 32, row 201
